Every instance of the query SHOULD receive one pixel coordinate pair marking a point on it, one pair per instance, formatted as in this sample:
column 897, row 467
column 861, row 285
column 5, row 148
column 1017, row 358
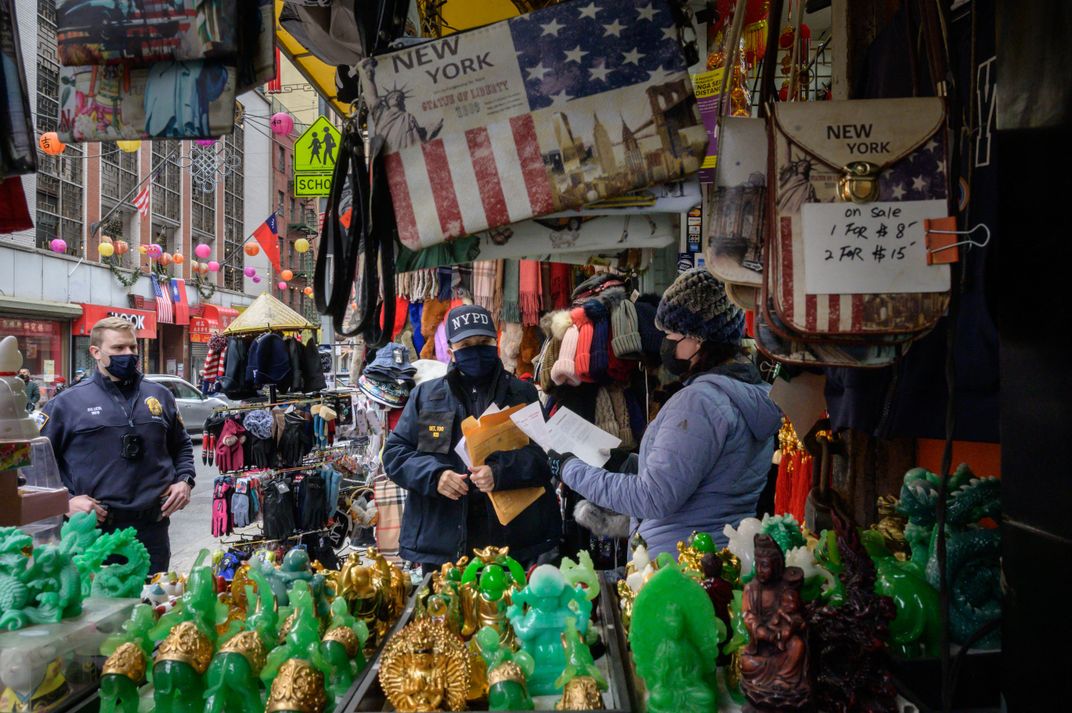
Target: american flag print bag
column 541, row 113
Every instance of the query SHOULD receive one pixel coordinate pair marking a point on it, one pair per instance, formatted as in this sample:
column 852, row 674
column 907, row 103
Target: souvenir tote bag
column 188, row 100
column 736, row 206
column 141, row 32
column 851, row 185
column 541, row 113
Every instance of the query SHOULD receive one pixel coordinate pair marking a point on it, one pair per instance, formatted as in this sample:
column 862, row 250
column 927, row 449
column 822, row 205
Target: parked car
column 194, row 406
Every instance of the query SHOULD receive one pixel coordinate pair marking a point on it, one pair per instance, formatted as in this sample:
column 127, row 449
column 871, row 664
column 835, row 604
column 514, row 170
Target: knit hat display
column 650, row 336
column 259, row 423
column 583, row 358
column 600, row 320
column 565, row 370
column 696, row 305
column 596, row 284
column 626, row 337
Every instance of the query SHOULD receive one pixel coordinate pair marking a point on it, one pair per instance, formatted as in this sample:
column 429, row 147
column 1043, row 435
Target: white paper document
column 566, row 432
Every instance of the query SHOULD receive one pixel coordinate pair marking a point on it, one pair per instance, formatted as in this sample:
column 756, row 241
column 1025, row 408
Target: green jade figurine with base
column 540, row 613
column 302, row 640
column 675, row 637
column 508, row 672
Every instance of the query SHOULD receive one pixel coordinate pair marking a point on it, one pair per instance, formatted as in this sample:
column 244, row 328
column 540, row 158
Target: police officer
column 448, row 512
column 122, row 449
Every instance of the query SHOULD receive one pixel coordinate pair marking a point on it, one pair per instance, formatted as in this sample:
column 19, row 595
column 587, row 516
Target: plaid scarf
column 484, row 283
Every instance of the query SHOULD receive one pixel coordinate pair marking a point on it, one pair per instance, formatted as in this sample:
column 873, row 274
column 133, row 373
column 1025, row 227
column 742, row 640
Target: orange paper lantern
column 251, row 249
column 177, row 258
column 287, row 275
column 121, row 247
column 308, row 291
column 164, row 259
column 50, row 143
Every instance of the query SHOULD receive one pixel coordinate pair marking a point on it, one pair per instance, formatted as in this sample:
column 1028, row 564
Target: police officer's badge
column 154, row 406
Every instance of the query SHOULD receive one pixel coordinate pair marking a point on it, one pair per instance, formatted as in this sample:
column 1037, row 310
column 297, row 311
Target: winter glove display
column 262, row 453
column 229, row 452
column 240, row 504
column 314, row 502
column 221, row 517
column 277, row 510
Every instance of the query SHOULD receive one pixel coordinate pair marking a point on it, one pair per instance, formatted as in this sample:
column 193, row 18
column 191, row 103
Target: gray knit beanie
column 696, row 305
column 626, row 340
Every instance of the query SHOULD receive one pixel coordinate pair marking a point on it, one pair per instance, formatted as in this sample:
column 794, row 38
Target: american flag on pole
column 164, row 312
column 548, row 111
column 141, row 201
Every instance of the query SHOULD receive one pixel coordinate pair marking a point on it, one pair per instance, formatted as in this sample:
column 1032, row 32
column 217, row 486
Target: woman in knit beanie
column 703, row 461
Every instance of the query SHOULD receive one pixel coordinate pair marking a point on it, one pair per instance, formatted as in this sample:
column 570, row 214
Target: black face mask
column 24, row 378
column 671, row 362
column 123, row 366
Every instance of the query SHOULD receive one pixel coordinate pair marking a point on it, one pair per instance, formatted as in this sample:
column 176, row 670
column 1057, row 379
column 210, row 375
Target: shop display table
column 53, row 667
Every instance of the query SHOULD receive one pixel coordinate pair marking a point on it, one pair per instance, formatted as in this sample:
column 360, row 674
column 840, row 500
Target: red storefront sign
column 144, row 321
column 212, row 320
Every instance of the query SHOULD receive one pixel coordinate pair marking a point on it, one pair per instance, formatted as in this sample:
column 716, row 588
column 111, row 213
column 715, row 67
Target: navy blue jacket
column 434, row 527
column 86, row 425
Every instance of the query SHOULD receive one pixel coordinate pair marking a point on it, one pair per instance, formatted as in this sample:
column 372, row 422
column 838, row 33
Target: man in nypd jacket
column 448, row 512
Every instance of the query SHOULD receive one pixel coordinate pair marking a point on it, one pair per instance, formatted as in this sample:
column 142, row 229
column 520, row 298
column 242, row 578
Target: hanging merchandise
column 18, row 154
column 502, row 136
column 86, row 32
column 166, row 100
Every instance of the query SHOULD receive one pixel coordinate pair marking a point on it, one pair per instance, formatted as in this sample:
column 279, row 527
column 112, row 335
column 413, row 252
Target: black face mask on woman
column 671, row 362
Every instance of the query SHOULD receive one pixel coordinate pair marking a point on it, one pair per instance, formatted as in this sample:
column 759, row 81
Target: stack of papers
column 566, row 432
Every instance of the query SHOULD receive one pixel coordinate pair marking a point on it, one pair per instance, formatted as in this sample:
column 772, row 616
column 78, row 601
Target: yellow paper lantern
column 301, row 245
column 128, row 146
column 143, row 249
column 106, row 249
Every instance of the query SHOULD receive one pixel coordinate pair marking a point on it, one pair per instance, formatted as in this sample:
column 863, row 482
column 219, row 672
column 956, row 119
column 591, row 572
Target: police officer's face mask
column 478, row 361
column 123, row 366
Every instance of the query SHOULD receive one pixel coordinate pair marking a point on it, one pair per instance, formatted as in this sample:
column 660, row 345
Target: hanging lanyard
column 128, row 412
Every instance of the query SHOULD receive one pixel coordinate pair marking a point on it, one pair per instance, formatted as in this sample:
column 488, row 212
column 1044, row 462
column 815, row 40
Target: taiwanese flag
column 268, row 237
column 179, row 301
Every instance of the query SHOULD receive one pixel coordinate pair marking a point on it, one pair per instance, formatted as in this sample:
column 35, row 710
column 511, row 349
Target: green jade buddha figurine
column 129, row 653
column 508, row 672
column 674, row 637
column 539, row 615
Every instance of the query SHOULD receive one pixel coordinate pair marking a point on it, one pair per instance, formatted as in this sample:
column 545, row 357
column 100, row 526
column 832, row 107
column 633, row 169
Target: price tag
column 875, row 248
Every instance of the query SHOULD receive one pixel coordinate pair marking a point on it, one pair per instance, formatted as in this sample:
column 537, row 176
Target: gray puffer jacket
column 703, row 460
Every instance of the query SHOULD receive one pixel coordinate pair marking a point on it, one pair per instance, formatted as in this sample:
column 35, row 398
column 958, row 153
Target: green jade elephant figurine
column 232, row 682
column 343, row 648
column 508, row 672
column 128, row 652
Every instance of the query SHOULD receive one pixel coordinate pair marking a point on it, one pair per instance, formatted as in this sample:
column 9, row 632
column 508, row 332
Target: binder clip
column 943, row 247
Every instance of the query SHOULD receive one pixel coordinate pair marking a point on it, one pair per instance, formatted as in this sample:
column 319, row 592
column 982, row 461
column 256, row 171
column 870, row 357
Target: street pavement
column 191, row 527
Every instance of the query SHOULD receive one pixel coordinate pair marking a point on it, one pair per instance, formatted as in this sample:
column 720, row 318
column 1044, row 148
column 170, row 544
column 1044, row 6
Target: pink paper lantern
column 202, row 251
column 281, row 123
column 58, row 245
column 282, row 285
column 213, row 266
column 250, row 272
column 256, row 279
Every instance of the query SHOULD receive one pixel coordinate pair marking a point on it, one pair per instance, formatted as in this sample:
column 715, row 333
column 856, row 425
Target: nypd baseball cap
column 469, row 321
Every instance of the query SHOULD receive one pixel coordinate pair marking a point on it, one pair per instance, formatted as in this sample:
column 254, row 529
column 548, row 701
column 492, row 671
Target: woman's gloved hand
column 558, row 461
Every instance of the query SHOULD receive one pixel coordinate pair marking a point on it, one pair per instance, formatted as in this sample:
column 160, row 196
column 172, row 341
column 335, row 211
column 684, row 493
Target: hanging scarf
column 530, row 292
column 484, row 283
column 511, row 289
column 560, row 285
column 497, row 294
column 545, row 286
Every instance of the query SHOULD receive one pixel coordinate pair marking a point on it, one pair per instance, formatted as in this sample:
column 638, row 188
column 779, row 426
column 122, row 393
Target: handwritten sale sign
column 875, row 248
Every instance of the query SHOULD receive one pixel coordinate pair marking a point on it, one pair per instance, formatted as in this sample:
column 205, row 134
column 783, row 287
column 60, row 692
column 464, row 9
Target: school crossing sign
column 315, row 153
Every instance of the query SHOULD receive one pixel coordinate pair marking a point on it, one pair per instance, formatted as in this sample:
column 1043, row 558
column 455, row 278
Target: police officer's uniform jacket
column 421, row 447
column 86, row 424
